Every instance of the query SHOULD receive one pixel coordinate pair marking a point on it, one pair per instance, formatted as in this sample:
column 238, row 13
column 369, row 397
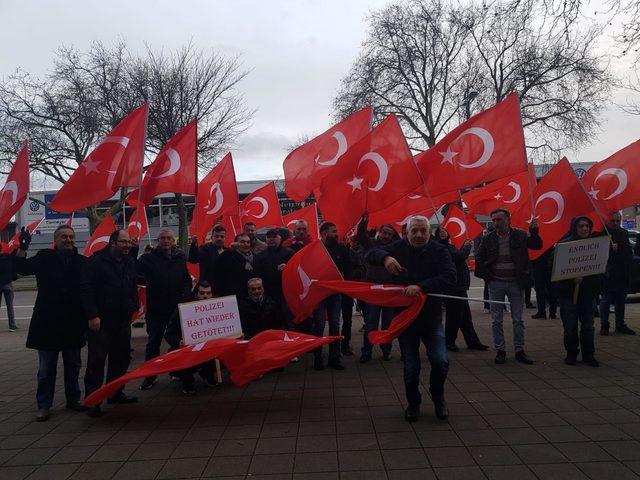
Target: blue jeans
column 618, row 299
column 433, row 339
column 328, row 311
column 572, row 315
column 498, row 290
column 372, row 321
column 47, row 370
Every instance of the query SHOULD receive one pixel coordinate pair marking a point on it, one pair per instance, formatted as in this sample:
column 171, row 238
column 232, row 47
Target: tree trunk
column 183, row 232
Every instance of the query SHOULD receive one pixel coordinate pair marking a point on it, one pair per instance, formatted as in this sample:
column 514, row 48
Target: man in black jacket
column 424, row 266
column 165, row 273
column 235, row 267
column 258, row 311
column 503, row 261
column 109, row 298
column 8, row 275
column 545, row 293
column 617, row 275
column 57, row 323
column 269, row 264
column 207, row 255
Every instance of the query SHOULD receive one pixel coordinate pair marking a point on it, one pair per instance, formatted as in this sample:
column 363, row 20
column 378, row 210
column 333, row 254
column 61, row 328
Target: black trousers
column 111, row 343
column 156, row 326
column 545, row 293
column 347, row 317
column 458, row 317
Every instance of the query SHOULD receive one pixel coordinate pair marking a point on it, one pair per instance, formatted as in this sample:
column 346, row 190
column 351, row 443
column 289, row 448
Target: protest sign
column 580, row 258
column 204, row 320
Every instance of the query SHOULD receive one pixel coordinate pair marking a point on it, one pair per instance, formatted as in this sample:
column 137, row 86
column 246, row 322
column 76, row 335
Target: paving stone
column 394, row 440
column 75, row 454
column 358, row 441
column 623, row 449
column 269, row 464
column 154, row 451
column 32, row 456
column 449, row 457
column 96, row 471
column 316, row 443
column 562, row 471
column 439, row 438
column 459, row 473
column 412, row 474
column 564, row 433
column 139, row 470
column 583, row 452
column 182, row 468
column 508, row 472
column 227, row 466
column 235, row 447
column 480, row 437
column 542, row 453
column 406, row 458
column 194, row 449
column 316, row 462
column 600, row 470
column 16, row 473
column 494, row 455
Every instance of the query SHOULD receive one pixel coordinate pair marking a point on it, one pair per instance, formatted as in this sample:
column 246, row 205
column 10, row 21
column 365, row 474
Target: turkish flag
column 417, row 203
column 175, row 360
column 100, row 175
column 373, row 174
column 262, row 207
column 300, row 276
column 217, row 196
column 308, row 214
column 14, row 243
column 508, row 193
column 142, row 301
column 614, row 182
column 266, row 351
column 16, row 187
column 557, row 199
column 308, row 164
column 488, row 146
column 194, row 273
column 460, row 226
column 138, row 226
column 231, row 224
column 100, row 237
column 174, row 170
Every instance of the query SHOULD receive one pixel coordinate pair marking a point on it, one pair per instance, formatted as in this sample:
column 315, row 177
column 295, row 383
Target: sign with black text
column 204, row 320
column 580, row 258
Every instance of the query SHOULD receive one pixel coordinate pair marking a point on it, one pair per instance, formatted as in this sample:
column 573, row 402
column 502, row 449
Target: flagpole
column 194, row 213
column 144, row 145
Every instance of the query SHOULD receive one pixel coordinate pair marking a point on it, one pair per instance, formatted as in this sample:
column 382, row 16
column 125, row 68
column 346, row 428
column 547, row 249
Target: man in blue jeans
column 423, row 266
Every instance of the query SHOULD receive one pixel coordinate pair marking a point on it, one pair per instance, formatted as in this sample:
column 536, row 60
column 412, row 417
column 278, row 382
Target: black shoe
column 501, row 357
column 412, row 413
column 523, row 358
column 571, row 358
column 209, row 378
column 590, row 360
column 148, row 383
column 336, row 365
column 121, row 398
column 441, row 409
column 346, row 351
column 95, row 412
column 542, row 316
column 624, row 329
column 188, row 389
column 43, row 415
column 365, row 358
column 530, row 305
column 318, row 364
column 452, row 347
column 478, row 346
column 604, row 332
column 552, row 315
column 77, row 407
column 386, row 357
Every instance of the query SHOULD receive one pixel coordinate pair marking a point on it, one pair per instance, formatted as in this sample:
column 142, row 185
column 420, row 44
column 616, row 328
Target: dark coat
column 57, row 322
column 7, row 269
column 266, row 267
column 619, row 264
column 341, row 256
column 463, row 276
column 257, row 317
column 167, row 279
column 372, row 273
column 231, row 274
column 430, row 267
column 519, row 244
column 108, row 289
column 207, row 257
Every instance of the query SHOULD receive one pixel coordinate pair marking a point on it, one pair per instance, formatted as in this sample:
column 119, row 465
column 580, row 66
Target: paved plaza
column 546, row 421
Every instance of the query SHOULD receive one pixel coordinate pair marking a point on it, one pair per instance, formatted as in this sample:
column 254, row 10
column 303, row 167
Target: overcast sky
column 297, row 50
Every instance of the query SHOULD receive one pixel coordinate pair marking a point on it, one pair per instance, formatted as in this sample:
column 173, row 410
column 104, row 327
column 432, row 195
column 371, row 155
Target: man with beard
column 423, row 266
column 301, row 237
column 109, row 298
column 57, row 323
column 207, row 255
column 375, row 316
column 257, row 245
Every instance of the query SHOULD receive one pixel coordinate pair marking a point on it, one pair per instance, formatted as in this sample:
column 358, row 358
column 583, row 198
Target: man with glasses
column 165, row 273
column 109, row 297
column 300, row 238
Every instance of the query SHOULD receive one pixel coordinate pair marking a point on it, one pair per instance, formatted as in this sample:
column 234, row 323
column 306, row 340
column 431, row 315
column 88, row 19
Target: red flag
column 308, row 164
column 557, row 199
column 14, row 243
column 138, row 225
column 300, row 275
column 173, row 170
column 115, row 162
column 460, row 226
column 488, row 146
column 100, row 237
column 194, row 273
column 16, row 187
column 231, row 224
column 262, row 207
column 613, row 182
column 415, row 204
column 266, row 351
column 181, row 359
column 217, row 195
column 508, row 193
column 376, row 172
column 142, row 300
column 308, row 214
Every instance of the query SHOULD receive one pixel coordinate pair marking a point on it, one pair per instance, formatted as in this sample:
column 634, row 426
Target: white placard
column 204, row 320
column 580, row 258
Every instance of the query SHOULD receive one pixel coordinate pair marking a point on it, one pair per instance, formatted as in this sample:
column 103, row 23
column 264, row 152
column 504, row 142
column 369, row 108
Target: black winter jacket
column 619, row 264
column 7, row 269
column 207, row 257
column 167, row 279
column 341, row 255
column 232, row 275
column 257, row 317
column 108, row 289
column 57, row 322
column 430, row 267
column 266, row 264
column 463, row 276
column 519, row 243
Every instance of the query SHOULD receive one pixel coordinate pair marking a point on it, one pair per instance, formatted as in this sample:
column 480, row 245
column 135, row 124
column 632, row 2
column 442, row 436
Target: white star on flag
column 447, row 156
column 593, row 192
column 497, row 196
column 91, row 166
column 356, row 184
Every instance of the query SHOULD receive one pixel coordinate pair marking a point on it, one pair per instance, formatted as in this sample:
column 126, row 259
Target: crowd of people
column 90, row 301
